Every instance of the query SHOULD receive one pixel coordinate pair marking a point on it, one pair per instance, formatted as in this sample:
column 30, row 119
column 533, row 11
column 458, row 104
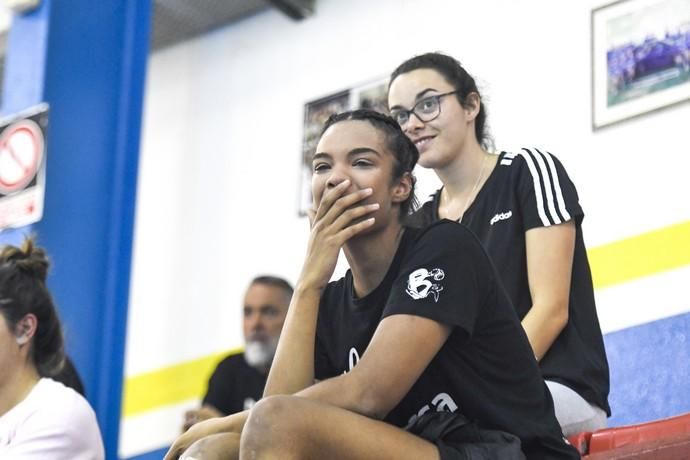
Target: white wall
column 218, row 185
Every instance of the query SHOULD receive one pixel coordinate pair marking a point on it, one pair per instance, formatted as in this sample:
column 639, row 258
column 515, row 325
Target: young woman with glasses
column 524, row 209
column 39, row 417
column 416, row 340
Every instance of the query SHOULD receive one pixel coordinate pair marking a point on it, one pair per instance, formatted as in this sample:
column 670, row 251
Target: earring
column 22, row 339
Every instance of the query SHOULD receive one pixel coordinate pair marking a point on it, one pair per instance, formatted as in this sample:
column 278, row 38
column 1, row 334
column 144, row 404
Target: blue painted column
column 88, row 61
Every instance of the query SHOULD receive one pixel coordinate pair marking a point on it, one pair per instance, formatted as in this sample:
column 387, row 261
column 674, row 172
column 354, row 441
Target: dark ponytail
column 23, row 273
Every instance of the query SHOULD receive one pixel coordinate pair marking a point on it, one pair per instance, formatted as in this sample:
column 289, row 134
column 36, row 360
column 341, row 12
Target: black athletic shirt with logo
column 234, row 385
column 530, row 189
column 485, row 369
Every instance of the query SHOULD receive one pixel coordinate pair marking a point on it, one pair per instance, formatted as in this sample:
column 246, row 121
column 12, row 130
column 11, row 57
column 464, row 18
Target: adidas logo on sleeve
column 501, row 216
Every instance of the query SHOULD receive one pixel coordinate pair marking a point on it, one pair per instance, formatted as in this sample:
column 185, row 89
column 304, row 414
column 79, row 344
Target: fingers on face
column 330, row 196
column 352, row 214
column 354, row 229
column 311, row 213
column 338, row 204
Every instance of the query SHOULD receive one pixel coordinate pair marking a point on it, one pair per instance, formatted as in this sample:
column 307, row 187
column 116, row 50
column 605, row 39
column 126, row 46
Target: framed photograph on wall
column 640, row 58
column 371, row 95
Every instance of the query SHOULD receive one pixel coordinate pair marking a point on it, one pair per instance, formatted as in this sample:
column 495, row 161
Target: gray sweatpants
column 574, row 413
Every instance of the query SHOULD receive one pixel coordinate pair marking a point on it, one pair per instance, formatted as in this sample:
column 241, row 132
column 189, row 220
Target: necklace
column 474, row 189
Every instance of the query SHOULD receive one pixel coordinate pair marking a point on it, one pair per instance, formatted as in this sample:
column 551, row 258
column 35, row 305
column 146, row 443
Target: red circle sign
column 21, row 153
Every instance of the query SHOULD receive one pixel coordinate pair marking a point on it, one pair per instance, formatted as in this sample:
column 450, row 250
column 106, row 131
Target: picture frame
column 640, row 58
column 370, row 95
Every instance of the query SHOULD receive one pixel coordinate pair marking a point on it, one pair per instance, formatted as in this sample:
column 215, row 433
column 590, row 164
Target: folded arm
column 401, row 348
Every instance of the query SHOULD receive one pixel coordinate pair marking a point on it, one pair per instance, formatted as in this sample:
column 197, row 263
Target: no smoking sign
column 22, row 167
column 21, row 154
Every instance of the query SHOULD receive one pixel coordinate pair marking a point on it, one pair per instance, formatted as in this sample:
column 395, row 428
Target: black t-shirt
column 485, row 369
column 234, row 385
column 530, row 189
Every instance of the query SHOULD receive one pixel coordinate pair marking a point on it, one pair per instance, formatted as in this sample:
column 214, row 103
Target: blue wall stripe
column 650, row 370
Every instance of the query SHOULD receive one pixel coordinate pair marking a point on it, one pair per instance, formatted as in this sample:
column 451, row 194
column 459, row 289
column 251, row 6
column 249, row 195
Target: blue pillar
column 88, row 61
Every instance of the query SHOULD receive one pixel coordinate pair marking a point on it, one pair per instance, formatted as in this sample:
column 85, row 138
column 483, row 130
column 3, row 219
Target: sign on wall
column 640, row 58
column 372, row 95
column 22, row 167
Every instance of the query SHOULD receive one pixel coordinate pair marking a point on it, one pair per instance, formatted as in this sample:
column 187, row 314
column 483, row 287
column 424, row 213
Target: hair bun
column 29, row 259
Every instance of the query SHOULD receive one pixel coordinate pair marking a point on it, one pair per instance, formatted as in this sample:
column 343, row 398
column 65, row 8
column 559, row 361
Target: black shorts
column 459, row 439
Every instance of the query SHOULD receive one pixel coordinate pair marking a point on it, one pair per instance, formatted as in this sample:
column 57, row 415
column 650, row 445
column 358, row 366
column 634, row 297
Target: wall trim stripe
column 614, row 263
column 655, row 297
column 641, row 255
column 152, row 430
column 169, row 385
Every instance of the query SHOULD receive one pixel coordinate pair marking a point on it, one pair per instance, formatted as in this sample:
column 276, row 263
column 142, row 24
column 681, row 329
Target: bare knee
column 223, row 446
column 273, row 427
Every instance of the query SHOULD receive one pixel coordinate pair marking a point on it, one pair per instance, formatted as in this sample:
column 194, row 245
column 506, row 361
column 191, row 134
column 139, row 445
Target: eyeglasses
column 425, row 110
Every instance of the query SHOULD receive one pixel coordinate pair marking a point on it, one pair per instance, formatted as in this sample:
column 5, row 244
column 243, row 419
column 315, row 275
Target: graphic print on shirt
column 248, row 403
column 442, row 402
column 353, row 359
column 419, row 286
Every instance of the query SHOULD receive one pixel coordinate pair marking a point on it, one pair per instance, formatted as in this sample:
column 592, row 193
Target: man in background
column 238, row 381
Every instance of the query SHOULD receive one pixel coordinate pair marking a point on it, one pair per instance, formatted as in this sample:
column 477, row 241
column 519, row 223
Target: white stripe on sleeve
column 557, row 186
column 547, row 186
column 537, row 187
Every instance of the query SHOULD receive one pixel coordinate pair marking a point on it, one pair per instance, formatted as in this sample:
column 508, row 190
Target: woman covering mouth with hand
column 416, row 353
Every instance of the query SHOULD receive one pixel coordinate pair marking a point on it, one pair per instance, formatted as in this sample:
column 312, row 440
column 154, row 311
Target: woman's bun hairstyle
column 23, row 291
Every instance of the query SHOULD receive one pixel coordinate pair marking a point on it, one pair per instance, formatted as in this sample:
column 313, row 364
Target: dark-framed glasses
column 426, row 109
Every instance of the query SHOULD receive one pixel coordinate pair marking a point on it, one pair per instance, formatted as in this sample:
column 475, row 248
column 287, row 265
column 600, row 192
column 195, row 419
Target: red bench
column 649, row 435
column 675, row 447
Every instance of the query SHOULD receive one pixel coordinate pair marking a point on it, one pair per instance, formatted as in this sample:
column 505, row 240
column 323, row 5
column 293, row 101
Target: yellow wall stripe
column 612, row 263
column 170, row 385
column 641, row 255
